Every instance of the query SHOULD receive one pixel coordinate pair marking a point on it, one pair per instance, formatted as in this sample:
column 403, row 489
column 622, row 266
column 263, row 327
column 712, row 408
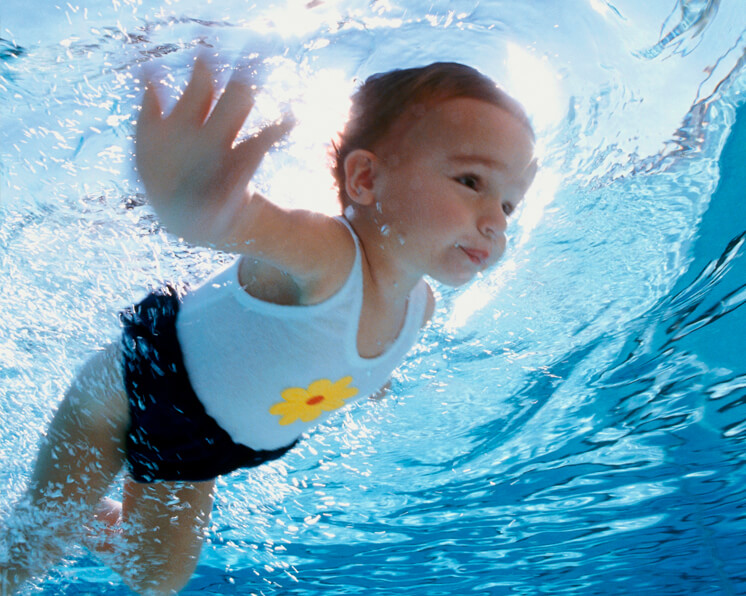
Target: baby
column 314, row 313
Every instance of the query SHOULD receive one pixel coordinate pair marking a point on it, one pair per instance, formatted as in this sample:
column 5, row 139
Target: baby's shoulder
column 331, row 262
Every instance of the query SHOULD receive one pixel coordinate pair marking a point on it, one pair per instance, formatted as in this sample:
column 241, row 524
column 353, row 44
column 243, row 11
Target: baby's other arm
column 196, row 178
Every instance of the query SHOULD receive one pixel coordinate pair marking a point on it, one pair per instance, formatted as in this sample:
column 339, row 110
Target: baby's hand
column 195, row 177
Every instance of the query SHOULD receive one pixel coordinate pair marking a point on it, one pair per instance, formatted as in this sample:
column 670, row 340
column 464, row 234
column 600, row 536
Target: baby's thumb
column 250, row 152
column 275, row 132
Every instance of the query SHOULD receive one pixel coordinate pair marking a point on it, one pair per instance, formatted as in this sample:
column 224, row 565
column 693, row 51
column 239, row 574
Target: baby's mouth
column 477, row 256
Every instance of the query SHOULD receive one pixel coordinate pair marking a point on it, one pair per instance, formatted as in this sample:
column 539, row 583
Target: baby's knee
column 168, row 576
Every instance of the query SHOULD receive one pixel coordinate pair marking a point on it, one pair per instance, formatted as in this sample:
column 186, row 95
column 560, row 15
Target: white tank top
column 266, row 372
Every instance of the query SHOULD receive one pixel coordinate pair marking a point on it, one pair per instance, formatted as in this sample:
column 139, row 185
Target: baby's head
column 430, row 165
column 390, row 101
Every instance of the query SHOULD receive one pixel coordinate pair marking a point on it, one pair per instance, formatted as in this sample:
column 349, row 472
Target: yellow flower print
column 307, row 404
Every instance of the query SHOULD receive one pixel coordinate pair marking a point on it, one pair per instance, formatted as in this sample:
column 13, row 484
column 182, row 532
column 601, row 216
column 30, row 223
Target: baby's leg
column 156, row 545
column 163, row 526
column 78, row 459
column 158, row 528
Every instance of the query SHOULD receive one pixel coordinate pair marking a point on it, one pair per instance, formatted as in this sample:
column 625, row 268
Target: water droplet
column 385, row 230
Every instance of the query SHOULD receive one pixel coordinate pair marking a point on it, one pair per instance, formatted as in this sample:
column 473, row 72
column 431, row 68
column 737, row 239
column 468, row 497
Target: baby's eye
column 469, row 180
column 508, row 208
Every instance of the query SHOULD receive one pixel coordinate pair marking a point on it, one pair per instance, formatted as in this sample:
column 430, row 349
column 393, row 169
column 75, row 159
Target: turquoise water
column 572, row 423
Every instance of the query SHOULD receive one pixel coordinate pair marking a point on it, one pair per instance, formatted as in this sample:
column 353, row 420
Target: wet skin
column 445, row 190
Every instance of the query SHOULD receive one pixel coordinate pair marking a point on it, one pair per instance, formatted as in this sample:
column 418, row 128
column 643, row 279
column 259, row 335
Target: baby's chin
column 457, row 281
column 464, row 278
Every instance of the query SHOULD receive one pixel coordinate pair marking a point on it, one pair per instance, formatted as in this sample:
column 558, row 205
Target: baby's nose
column 493, row 222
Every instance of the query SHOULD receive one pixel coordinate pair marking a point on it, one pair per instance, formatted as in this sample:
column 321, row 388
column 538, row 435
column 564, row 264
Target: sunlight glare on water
column 571, row 423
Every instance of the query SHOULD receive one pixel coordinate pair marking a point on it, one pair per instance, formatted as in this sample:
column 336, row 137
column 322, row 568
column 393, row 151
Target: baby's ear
column 360, row 169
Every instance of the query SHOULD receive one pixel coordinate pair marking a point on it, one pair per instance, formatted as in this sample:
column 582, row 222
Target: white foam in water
column 567, row 420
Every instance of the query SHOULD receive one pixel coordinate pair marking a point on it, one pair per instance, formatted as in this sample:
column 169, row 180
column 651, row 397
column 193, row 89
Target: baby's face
column 448, row 184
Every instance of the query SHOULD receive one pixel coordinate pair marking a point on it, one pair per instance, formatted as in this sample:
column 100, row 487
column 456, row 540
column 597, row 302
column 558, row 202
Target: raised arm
column 196, row 178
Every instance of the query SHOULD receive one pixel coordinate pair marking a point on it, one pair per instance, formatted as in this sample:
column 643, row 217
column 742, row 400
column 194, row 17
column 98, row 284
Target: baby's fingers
column 147, row 131
column 194, row 104
column 248, row 154
column 231, row 110
column 150, row 113
column 151, row 105
column 271, row 134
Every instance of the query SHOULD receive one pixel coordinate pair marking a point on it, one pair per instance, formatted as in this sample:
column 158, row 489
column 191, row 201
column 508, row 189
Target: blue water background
column 572, row 423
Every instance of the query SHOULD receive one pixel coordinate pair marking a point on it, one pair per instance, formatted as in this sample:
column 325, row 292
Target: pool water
column 573, row 422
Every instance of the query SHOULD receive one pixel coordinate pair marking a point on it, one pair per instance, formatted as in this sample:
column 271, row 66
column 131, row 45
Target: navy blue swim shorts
column 171, row 436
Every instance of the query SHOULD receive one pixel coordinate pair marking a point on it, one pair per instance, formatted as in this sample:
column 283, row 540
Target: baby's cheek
column 500, row 244
column 416, row 184
column 453, row 216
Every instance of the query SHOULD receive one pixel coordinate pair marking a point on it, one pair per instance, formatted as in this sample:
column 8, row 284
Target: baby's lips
column 478, row 256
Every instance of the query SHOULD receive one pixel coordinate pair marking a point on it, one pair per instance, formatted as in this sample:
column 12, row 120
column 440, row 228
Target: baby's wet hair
column 384, row 97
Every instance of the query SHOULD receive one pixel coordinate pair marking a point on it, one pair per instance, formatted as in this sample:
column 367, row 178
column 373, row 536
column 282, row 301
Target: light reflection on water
column 574, row 424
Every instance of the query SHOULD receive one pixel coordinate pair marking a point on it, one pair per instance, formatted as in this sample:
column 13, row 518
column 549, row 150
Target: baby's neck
column 388, row 282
